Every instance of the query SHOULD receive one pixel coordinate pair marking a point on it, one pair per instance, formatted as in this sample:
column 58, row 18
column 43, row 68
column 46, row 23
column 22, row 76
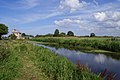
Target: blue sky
column 44, row 16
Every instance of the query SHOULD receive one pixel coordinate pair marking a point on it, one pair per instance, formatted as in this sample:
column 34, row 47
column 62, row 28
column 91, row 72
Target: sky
column 83, row 17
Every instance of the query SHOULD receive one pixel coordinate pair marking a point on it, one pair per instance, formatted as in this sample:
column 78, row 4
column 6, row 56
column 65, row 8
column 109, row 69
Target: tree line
column 4, row 30
column 57, row 34
column 63, row 34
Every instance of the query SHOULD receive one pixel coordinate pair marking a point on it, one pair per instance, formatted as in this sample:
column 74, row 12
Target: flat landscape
column 59, row 39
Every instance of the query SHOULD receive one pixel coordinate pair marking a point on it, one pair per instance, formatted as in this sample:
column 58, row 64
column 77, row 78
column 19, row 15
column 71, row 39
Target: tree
column 70, row 33
column 56, row 33
column 39, row 35
column 92, row 34
column 23, row 34
column 12, row 36
column 62, row 34
column 3, row 30
column 48, row 35
column 31, row 35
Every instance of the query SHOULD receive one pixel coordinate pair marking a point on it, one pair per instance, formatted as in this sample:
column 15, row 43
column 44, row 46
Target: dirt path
column 29, row 70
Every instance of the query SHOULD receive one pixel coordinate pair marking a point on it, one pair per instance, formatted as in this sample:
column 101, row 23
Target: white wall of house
column 17, row 33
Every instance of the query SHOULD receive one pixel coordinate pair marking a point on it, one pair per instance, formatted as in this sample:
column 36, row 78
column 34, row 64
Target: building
column 17, row 33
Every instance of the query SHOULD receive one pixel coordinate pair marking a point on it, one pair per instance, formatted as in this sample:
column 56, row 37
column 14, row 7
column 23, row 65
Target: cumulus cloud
column 109, row 18
column 76, row 23
column 102, row 23
column 108, row 15
column 72, row 5
column 100, row 16
column 67, row 22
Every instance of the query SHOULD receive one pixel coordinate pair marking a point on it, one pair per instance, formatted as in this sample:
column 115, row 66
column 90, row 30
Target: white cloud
column 109, row 18
column 72, row 5
column 100, row 16
column 116, row 15
column 75, row 23
column 107, row 15
column 107, row 26
column 118, row 23
column 67, row 22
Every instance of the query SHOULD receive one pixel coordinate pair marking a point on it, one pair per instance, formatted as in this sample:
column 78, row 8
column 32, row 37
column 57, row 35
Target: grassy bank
column 23, row 61
column 89, row 44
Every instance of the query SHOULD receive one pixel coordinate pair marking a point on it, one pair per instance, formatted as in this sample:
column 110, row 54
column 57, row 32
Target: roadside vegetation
column 20, row 60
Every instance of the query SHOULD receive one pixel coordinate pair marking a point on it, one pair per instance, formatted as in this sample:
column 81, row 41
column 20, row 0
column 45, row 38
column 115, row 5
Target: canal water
column 96, row 62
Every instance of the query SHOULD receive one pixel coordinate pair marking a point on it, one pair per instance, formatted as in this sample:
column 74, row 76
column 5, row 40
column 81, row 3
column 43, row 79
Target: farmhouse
column 17, row 33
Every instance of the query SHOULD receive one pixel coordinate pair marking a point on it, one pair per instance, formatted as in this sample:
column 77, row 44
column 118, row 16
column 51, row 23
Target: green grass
column 9, row 62
column 104, row 44
column 18, row 65
column 25, row 61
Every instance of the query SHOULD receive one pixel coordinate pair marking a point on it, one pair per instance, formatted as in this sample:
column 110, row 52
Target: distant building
column 17, row 33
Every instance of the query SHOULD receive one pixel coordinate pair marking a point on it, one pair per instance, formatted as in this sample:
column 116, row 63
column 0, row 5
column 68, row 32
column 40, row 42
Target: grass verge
column 25, row 61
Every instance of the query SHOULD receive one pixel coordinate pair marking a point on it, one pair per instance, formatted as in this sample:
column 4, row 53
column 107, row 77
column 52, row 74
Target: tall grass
column 44, row 62
column 9, row 63
column 59, row 68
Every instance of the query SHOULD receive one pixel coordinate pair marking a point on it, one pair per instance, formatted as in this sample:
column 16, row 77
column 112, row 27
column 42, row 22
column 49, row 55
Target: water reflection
column 96, row 62
column 100, row 58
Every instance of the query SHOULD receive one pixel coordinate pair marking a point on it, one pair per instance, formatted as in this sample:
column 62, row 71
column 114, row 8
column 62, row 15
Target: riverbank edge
column 96, row 44
column 88, row 50
column 85, row 49
column 21, row 46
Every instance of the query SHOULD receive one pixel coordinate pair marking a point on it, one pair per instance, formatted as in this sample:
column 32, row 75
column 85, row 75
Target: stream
column 96, row 62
